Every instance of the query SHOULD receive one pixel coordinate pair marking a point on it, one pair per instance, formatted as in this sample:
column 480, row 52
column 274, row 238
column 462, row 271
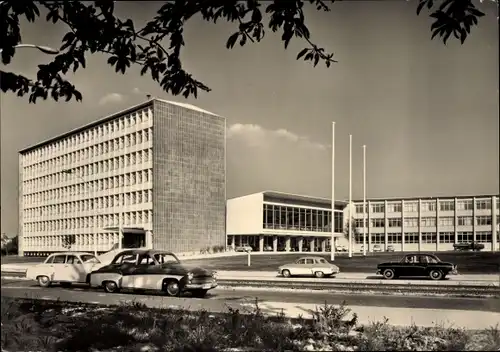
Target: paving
column 469, row 319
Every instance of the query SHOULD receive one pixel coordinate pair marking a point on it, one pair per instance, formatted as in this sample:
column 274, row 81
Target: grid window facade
column 447, row 221
column 358, row 223
column 411, row 222
column 465, row 221
column 394, row 207
column 483, row 220
column 465, row 204
column 411, row 237
column 428, row 237
column 428, row 221
column 378, row 207
column 483, row 204
column 484, row 237
column 428, row 205
column 378, row 238
column 394, row 222
column 465, row 237
column 359, row 208
column 378, row 222
column 394, row 238
column 446, row 205
column 411, row 207
column 446, row 237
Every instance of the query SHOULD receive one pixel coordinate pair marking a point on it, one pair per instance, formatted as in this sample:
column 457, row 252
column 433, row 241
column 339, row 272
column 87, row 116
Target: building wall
column 88, row 180
column 244, row 215
column 189, row 178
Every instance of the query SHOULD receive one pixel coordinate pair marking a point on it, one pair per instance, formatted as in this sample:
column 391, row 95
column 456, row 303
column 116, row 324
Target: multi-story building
column 428, row 224
column 152, row 175
column 275, row 221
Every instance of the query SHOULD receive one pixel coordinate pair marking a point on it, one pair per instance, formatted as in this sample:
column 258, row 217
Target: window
column 429, row 205
column 378, row 238
column 465, row 221
column 484, row 237
column 447, row 221
column 465, row 237
column 395, row 222
column 447, row 205
column 301, row 261
column 483, row 204
column 378, row 208
column 358, row 223
column 446, row 237
column 59, row 259
column 359, row 208
column 428, row 237
column 428, row 222
column 411, row 222
column 165, row 258
column 411, row 207
column 394, row 207
column 378, row 222
column 411, row 237
column 394, row 238
column 483, row 220
column 71, row 259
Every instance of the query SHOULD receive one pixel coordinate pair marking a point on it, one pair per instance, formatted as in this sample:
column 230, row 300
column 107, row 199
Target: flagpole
column 350, row 196
column 364, row 200
column 332, row 224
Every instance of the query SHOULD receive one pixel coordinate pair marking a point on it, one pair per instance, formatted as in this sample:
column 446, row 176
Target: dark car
column 417, row 265
column 142, row 269
column 468, row 247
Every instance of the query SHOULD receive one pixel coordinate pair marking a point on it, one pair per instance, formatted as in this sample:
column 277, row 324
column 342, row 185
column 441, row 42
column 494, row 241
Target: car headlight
column 190, row 276
column 214, row 274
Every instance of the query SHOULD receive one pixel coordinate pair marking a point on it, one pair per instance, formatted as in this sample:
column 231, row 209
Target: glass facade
column 281, row 217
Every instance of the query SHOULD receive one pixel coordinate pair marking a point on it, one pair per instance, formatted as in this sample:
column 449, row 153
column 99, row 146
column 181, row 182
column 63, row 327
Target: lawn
column 36, row 325
column 468, row 262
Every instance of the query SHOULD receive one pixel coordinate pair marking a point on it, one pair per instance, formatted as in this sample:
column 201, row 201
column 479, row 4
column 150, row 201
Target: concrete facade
column 147, row 169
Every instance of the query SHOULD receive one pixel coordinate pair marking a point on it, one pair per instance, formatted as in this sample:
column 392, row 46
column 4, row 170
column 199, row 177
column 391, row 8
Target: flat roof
column 112, row 117
column 291, row 196
column 393, row 199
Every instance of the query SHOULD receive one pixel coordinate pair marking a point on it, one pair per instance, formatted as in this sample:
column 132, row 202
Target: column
column 323, row 244
column 233, row 241
column 402, row 225
column 261, row 243
column 275, row 243
column 455, row 222
column 368, row 226
column 287, row 243
column 419, row 225
column 386, row 224
column 437, row 224
column 301, row 242
column 474, row 212
column 311, row 244
column 494, row 223
column 149, row 239
column 120, row 239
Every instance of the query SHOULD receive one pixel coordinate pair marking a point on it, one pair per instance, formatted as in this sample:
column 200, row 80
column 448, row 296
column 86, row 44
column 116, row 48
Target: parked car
column 64, row 268
column 143, row 269
column 244, row 248
column 309, row 266
column 468, row 247
column 390, row 248
column 377, row 248
column 340, row 248
column 417, row 265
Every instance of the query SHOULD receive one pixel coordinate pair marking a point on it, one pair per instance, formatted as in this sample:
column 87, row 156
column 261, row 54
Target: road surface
column 470, row 313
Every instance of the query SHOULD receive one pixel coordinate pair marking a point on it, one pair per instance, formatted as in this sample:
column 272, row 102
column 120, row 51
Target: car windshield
column 166, row 258
column 89, row 258
column 321, row 260
column 432, row 259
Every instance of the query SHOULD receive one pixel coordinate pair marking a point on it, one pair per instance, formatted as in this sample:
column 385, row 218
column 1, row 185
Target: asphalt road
column 468, row 262
column 220, row 298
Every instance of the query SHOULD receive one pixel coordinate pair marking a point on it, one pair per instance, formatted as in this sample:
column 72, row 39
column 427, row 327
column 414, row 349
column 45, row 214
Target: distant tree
column 95, row 28
column 357, row 235
column 9, row 245
column 68, row 241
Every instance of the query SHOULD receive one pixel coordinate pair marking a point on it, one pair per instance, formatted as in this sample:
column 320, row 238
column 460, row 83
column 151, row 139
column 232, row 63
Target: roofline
column 109, row 118
column 427, row 198
column 304, row 196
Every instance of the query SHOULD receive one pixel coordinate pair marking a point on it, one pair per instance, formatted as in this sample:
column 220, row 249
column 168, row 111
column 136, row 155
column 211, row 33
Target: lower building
column 275, row 221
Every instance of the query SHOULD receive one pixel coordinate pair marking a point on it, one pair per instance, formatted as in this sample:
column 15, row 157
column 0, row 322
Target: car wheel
column 199, row 293
column 172, row 288
column 110, row 287
column 43, row 281
column 388, row 274
column 435, row 275
column 319, row 274
column 286, row 273
column 65, row 284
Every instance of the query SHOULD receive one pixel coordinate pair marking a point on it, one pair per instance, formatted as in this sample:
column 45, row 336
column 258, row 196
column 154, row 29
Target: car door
column 143, row 277
column 407, row 266
column 420, row 266
column 75, row 269
column 298, row 267
column 128, row 267
column 309, row 266
column 61, row 272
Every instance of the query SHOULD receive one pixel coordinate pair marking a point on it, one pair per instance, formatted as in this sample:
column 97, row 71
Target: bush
column 29, row 325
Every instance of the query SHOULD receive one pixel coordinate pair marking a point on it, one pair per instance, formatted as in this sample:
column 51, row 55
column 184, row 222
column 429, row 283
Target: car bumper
column 208, row 285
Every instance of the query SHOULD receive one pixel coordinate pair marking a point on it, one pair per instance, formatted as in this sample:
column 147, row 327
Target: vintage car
column 143, row 269
column 471, row 246
column 417, row 265
column 309, row 266
column 64, row 268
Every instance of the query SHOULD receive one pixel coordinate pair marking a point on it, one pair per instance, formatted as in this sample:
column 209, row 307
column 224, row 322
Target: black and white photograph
column 257, row 175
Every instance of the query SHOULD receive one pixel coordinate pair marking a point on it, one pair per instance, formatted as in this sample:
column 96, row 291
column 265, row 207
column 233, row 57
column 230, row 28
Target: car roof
column 417, row 253
column 143, row 252
column 311, row 257
column 71, row 253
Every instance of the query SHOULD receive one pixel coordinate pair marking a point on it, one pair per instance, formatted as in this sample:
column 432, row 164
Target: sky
column 427, row 112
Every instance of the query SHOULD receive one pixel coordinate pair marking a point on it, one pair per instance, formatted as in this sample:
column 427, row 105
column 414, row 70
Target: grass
column 468, row 262
column 37, row 325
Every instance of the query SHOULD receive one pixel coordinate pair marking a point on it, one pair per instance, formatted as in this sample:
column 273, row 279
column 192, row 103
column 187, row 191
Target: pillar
column 275, row 243
column 369, row 225
column 301, row 242
column 494, row 223
column 455, row 222
column 386, row 225
column 149, row 239
column 261, row 243
column 233, row 241
column 402, row 225
column 311, row 244
column 288, row 244
column 419, row 225
column 323, row 245
column 438, row 209
column 474, row 212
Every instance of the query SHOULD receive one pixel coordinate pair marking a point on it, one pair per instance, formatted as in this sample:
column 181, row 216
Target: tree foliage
column 93, row 27
column 68, row 241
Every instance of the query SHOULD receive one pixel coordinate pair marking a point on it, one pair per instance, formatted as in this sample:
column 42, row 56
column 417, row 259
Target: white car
column 64, row 268
column 309, row 266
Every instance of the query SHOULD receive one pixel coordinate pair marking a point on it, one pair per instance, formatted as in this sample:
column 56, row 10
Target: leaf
column 232, row 40
column 302, row 53
column 256, row 16
column 112, row 60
